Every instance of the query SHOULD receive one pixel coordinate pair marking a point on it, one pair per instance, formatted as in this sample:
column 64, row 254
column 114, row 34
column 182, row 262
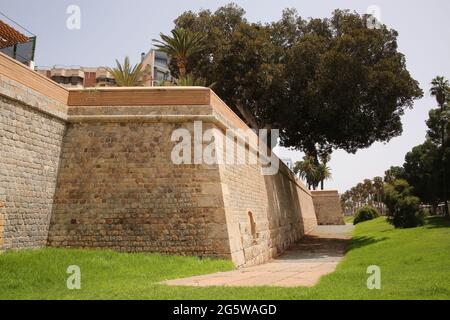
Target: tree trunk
column 248, row 116
column 321, row 185
column 181, row 63
column 182, row 72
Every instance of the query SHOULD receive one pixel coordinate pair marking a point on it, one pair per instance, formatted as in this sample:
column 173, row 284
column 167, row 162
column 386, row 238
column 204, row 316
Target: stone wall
column 93, row 169
column 328, row 208
column 119, row 189
column 2, row 223
column 31, row 134
column 265, row 213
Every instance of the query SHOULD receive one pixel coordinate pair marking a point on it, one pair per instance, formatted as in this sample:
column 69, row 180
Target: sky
column 113, row 29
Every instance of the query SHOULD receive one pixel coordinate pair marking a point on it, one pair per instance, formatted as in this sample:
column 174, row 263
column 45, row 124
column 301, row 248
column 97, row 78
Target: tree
column 190, row 80
column 127, row 76
column 378, row 186
column 440, row 89
column 307, row 170
column 403, row 208
column 323, row 173
column 326, row 83
column 394, row 173
column 425, row 166
column 421, row 170
column 346, row 201
column 325, row 157
column 180, row 46
column 439, row 123
column 313, row 172
column 368, row 192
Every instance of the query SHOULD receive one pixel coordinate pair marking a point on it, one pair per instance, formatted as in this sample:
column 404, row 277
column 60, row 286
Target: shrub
column 365, row 213
column 403, row 208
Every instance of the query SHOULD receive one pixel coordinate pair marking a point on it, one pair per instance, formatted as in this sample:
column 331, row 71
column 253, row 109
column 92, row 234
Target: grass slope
column 415, row 264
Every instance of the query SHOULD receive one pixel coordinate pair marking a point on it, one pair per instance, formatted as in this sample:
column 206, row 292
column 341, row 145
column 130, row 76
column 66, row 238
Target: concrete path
column 303, row 264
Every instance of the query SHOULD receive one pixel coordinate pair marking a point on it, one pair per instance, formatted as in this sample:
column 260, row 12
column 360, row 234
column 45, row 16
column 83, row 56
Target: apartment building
column 79, row 77
column 155, row 63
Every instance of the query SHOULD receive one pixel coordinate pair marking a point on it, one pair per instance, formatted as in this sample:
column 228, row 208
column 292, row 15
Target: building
column 157, row 63
column 79, row 77
column 154, row 63
column 19, row 45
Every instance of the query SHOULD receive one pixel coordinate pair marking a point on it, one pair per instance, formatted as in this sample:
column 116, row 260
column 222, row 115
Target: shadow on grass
column 362, row 241
column 437, row 222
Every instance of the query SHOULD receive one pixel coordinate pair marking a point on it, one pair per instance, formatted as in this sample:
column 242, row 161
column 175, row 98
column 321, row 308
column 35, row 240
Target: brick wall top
column 325, row 193
column 22, row 74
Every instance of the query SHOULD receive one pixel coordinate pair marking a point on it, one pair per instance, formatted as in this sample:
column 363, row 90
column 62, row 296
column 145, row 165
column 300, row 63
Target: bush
column 365, row 213
column 403, row 208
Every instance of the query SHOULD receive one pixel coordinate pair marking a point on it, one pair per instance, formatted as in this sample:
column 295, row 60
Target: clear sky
column 115, row 28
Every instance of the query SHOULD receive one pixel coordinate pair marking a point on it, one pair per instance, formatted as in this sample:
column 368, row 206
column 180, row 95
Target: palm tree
column 369, row 191
column 378, row 186
column 360, row 190
column 346, row 203
column 322, row 173
column 440, row 89
column 127, row 76
column 325, row 157
column 355, row 197
column 180, row 46
column 190, row 80
column 306, row 170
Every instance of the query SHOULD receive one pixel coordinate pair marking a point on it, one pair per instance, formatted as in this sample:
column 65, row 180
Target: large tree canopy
column 421, row 170
column 325, row 83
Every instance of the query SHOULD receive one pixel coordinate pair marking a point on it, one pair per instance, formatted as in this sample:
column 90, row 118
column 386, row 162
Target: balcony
column 19, row 45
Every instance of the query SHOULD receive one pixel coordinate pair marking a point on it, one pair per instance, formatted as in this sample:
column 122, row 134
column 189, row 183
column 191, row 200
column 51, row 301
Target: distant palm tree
column 360, row 191
column 307, row 170
column 440, row 90
column 368, row 191
column 378, row 186
column 323, row 173
column 180, row 46
column 127, row 76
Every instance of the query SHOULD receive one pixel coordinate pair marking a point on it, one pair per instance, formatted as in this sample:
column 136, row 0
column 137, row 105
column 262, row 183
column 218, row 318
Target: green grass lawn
column 415, row 264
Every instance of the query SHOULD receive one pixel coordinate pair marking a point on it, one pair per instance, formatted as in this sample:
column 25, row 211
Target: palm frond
column 125, row 75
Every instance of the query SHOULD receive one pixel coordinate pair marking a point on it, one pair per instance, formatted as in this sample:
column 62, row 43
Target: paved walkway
column 303, row 264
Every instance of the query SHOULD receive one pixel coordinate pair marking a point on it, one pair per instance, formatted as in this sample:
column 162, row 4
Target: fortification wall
column 265, row 213
column 328, row 208
column 118, row 187
column 93, row 168
column 32, row 126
